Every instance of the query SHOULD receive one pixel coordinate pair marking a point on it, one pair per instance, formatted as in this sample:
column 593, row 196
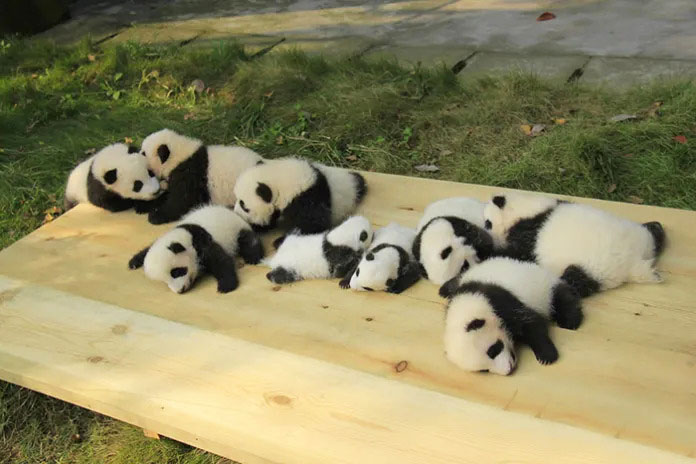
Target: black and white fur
column 320, row 256
column 195, row 174
column 451, row 238
column 501, row 302
column 116, row 178
column 589, row 248
column 207, row 238
column 308, row 197
column 388, row 265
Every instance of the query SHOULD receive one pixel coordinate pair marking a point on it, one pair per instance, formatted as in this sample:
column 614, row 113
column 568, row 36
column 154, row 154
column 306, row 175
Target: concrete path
column 616, row 42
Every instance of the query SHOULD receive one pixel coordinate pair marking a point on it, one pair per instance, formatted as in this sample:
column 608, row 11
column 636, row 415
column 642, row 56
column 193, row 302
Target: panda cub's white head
column 166, row 149
column 355, row 233
column 378, row 269
column 173, row 260
column 120, row 169
column 475, row 339
column 506, row 209
column 255, row 199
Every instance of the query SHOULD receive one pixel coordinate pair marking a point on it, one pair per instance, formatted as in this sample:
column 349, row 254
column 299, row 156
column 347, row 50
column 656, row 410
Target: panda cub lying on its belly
column 388, row 264
column 500, row 302
column 207, row 238
column 320, row 256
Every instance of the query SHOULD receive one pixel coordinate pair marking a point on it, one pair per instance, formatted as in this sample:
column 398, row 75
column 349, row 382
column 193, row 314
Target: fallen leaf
column 446, row 152
column 427, row 168
column 269, row 94
column 198, row 86
column 188, row 116
column 679, row 138
column 128, row 139
column 560, row 121
column 91, row 57
column 90, row 151
column 34, row 76
column 280, row 140
column 537, row 129
column 526, row 128
column 50, row 214
column 622, row 117
column 546, row 16
column 352, row 158
column 654, row 110
column 635, row 199
column 611, row 188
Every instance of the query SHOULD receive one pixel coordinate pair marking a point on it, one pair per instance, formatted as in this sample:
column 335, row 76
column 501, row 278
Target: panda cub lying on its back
column 500, row 302
column 388, row 264
column 320, row 256
column 116, row 178
column 207, row 238
column 591, row 249
column 196, row 174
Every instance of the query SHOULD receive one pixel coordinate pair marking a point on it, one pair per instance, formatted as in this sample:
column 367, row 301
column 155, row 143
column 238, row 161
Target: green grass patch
column 56, row 103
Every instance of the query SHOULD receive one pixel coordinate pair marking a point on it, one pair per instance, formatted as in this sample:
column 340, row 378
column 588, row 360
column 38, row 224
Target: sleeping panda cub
column 500, row 302
column 451, row 238
column 320, row 256
column 207, row 238
column 388, row 264
column 309, row 197
column 196, row 174
column 116, row 178
column 589, row 248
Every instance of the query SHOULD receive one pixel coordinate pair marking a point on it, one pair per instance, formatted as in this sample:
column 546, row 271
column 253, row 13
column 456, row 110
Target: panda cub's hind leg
column 658, row 235
column 643, row 271
column 281, row 275
column 250, row 247
column 567, row 309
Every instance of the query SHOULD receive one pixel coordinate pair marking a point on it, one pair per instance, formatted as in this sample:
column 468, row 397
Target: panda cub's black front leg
column 409, row 276
column 536, row 335
column 250, row 247
column 345, row 282
column 567, row 308
column 138, row 259
column 222, row 266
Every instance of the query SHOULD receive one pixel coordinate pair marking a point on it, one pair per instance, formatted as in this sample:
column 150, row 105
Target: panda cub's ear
column 499, row 201
column 132, row 149
column 110, row 176
column 163, row 153
column 264, row 191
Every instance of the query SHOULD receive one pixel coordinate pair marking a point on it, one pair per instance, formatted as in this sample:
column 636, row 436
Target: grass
column 57, row 103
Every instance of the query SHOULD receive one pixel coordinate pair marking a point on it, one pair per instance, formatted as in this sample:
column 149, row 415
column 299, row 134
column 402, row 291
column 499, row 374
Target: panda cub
column 500, row 302
column 320, row 256
column 591, row 249
column 196, row 174
column 451, row 238
column 309, row 197
column 116, row 178
column 388, row 264
column 206, row 238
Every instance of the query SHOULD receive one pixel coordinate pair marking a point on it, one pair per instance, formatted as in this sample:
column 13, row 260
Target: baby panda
column 196, row 174
column 320, row 256
column 589, row 248
column 388, row 264
column 206, row 238
column 116, row 178
column 451, row 238
column 309, row 197
column 501, row 302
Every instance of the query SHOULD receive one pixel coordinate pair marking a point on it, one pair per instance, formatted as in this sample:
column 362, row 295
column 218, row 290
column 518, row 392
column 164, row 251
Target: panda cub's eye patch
column 495, row 349
column 150, row 173
column 488, row 225
column 446, row 252
column 243, row 206
column 363, row 235
column 465, row 266
column 176, row 247
column 357, row 273
column 137, row 186
column 178, row 272
column 475, row 324
column 369, row 257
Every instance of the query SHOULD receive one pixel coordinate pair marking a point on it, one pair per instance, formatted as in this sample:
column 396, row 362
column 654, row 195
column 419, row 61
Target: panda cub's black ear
column 259, row 162
column 499, row 201
column 264, row 191
column 110, row 176
column 132, row 149
column 163, row 153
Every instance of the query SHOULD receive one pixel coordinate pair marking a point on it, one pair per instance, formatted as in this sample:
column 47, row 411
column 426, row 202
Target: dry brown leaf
column 91, row 57
column 198, row 86
column 128, row 139
column 526, row 128
column 446, row 152
column 352, row 158
column 426, row 168
column 90, row 151
column 654, row 110
column 623, row 117
column 280, row 140
column 635, row 199
column 546, row 16
column 269, row 94
column 679, row 139
column 188, row 116
column 611, row 188
column 50, row 214
column 34, row 76
column 560, row 121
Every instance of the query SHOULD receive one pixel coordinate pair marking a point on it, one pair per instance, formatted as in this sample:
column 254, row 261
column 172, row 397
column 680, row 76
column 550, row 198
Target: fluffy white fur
column 303, row 254
column 130, row 167
column 385, row 265
column 440, row 235
column 180, row 148
column 529, row 282
column 612, row 250
column 223, row 224
column 342, row 185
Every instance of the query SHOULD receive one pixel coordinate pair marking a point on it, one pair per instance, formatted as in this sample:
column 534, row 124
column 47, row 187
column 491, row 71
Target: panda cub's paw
column 546, row 354
column 280, row 275
column 345, row 282
column 227, row 285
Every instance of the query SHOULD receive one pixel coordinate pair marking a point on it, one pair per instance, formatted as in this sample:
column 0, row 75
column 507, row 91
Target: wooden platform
column 309, row 373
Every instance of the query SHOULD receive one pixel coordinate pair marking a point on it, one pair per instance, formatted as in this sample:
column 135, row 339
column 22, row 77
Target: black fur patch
column 137, row 186
column 658, row 234
column 188, row 188
column 363, row 235
column 360, row 187
column 488, row 225
column 408, row 272
column 163, row 153
column 341, row 259
column 138, row 259
column 446, row 252
column 132, row 149
column 176, row 247
column 523, row 323
column 499, row 201
column 280, row 275
column 178, row 272
column 264, row 191
column 213, row 257
column 99, row 195
column 310, row 211
column 474, row 236
column 522, row 237
column 495, row 349
column 475, row 324
column 111, row 176
column 580, row 281
column 567, row 308
column 249, row 246
column 449, row 288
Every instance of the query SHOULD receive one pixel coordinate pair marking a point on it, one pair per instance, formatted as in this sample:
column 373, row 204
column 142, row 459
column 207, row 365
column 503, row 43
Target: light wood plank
column 627, row 374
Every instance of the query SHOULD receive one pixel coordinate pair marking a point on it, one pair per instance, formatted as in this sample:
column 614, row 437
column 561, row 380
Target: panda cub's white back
column 463, row 207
